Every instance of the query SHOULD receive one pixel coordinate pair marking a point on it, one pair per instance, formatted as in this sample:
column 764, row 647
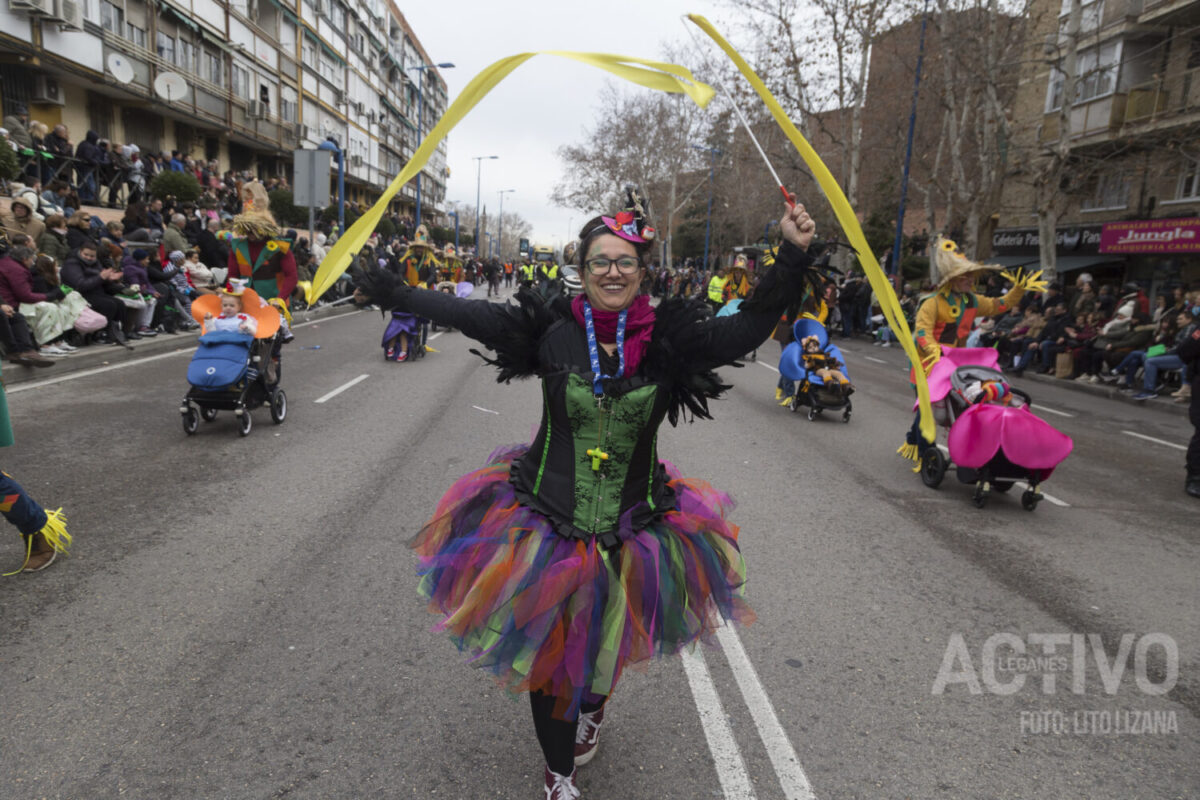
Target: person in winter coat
column 84, row 273
column 23, row 217
column 90, row 158
column 53, row 242
column 80, row 231
column 14, row 289
column 134, row 275
column 213, row 254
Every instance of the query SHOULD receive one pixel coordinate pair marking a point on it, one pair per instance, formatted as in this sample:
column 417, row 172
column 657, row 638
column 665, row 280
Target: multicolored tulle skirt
column 566, row 616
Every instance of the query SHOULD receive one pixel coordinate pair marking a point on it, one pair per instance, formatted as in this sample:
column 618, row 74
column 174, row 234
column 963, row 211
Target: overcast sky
column 546, row 102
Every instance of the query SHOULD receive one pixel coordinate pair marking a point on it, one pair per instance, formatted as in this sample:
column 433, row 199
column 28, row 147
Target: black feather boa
column 382, row 288
column 674, row 320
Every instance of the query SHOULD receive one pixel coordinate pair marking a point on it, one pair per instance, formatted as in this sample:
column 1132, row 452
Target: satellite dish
column 170, row 86
column 120, row 67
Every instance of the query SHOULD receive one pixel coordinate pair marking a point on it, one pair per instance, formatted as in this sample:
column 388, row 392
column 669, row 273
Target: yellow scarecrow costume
column 946, row 317
column 420, row 260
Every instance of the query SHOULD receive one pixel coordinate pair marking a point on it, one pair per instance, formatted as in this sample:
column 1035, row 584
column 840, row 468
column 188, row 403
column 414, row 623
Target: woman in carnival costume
column 44, row 532
column 419, row 267
column 945, row 318
column 261, row 255
column 565, row 560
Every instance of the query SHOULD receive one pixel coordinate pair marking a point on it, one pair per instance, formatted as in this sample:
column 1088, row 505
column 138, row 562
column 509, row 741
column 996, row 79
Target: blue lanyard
column 594, row 353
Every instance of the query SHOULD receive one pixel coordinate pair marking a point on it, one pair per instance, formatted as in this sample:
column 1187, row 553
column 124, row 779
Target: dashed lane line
column 876, row 360
column 731, row 770
column 341, row 388
column 1040, row 407
column 1152, row 439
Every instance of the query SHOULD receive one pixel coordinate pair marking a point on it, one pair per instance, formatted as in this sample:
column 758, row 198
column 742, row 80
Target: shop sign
column 1151, row 236
column 1073, row 240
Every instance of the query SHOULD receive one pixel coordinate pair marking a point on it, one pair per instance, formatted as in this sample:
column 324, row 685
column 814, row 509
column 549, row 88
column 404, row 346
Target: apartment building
column 1130, row 198
column 248, row 81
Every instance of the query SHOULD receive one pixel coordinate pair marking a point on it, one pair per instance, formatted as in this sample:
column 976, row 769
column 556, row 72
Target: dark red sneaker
column 587, row 736
column 561, row 787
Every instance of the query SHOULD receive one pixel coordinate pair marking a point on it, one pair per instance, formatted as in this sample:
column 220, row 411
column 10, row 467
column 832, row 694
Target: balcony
column 1163, row 100
column 1102, row 116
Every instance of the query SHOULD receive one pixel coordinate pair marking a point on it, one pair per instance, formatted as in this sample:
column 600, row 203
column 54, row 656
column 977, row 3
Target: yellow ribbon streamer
column 661, row 76
column 888, row 301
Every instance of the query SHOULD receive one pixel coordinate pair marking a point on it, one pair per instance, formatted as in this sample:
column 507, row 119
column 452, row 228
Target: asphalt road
column 238, row 618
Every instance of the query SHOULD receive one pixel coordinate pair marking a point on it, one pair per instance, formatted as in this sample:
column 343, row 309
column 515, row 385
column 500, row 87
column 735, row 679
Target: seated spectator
column 23, row 217
column 1051, row 340
column 54, row 198
column 1106, row 302
column 1084, row 301
column 98, row 284
column 53, row 321
column 15, row 288
column 1108, row 350
column 79, row 231
column 1022, row 334
column 135, row 276
column 175, row 271
column 1080, row 336
column 114, row 231
column 154, row 214
column 213, row 253
column 53, row 242
column 173, row 237
column 1123, row 374
column 199, row 276
column 1170, row 360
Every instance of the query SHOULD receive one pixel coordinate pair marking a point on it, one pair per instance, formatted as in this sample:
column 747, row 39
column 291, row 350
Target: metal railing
column 1163, row 97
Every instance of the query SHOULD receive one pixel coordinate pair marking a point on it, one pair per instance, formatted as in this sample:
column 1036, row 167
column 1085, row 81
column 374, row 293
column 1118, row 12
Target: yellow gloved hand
column 281, row 307
column 1029, row 281
column 929, row 360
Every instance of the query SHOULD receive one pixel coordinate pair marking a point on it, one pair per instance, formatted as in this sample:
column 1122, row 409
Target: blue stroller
column 227, row 374
column 811, row 389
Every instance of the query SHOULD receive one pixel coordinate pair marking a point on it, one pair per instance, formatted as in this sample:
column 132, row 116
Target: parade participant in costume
column 44, row 532
column 945, row 318
column 420, row 267
column 261, row 255
column 737, row 284
column 824, row 365
column 565, row 560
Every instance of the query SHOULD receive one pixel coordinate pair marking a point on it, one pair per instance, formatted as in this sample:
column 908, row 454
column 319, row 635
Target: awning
column 1063, row 263
column 180, row 16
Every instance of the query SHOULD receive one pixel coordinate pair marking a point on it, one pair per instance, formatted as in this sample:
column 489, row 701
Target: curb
column 1161, row 404
column 104, row 355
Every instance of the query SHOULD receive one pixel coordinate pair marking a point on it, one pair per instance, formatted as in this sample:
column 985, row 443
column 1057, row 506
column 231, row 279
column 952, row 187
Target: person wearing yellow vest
column 945, row 318
column 716, row 289
column 526, row 274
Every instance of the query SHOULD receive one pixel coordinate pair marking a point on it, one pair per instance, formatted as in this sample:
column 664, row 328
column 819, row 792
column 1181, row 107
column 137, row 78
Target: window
column 239, row 82
column 112, row 18
column 1097, row 76
column 1189, row 182
column 1090, row 15
column 211, row 69
column 135, row 34
column 166, row 47
column 185, row 56
column 1194, row 54
column 337, row 16
column 287, row 109
column 308, row 53
column 287, row 39
column 1110, row 191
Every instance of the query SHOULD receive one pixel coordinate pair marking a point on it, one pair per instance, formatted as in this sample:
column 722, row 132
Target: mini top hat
column 632, row 222
column 951, row 263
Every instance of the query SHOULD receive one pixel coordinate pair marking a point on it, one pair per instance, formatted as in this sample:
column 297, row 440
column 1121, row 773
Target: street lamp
column 713, row 153
column 500, row 227
column 478, row 170
column 420, row 68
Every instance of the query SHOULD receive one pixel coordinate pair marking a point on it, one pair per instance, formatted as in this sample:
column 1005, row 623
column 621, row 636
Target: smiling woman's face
column 612, row 290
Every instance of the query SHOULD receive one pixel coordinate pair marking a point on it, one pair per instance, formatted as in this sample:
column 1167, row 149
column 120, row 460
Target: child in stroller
column 818, row 368
column 994, row 439
column 234, row 367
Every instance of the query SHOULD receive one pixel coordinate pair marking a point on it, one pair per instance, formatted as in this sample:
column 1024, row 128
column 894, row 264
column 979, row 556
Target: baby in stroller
column 234, row 368
column 994, row 439
column 817, row 367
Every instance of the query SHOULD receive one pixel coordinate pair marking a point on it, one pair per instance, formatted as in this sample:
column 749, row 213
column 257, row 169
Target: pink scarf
column 638, row 327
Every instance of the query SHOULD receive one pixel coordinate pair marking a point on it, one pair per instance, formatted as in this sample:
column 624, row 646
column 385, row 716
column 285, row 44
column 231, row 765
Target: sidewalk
column 102, row 355
column 1164, row 403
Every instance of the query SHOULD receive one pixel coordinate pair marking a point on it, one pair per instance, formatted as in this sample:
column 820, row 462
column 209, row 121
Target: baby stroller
column 234, row 372
column 994, row 439
column 811, row 390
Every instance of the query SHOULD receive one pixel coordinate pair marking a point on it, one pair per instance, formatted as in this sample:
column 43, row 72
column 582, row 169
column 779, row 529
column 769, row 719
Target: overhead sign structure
column 310, row 184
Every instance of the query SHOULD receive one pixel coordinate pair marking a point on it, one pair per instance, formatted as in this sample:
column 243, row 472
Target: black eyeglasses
column 627, row 265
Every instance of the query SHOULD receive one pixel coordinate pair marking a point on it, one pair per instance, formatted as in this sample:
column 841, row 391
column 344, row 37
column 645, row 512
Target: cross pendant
column 597, row 456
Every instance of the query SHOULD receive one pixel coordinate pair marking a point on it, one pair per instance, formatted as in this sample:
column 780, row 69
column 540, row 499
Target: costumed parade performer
column 564, row 561
column 44, row 532
column 262, row 256
column 234, row 316
column 737, row 283
column 945, row 318
column 420, row 267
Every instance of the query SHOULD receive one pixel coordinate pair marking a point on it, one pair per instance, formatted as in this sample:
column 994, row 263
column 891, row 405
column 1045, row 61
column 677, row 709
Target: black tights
column 556, row 736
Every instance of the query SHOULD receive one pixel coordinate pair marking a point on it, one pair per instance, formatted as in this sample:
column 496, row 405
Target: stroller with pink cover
column 994, row 441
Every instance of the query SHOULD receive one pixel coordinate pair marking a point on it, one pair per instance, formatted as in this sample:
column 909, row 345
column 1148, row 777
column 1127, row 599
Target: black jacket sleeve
column 488, row 323
column 722, row 340
column 1189, row 350
column 74, row 276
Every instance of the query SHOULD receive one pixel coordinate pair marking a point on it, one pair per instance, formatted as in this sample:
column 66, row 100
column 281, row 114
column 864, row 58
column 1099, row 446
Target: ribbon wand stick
column 788, row 197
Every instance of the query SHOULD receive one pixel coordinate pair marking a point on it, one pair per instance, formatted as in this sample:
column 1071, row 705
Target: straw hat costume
column 259, row 253
column 420, row 255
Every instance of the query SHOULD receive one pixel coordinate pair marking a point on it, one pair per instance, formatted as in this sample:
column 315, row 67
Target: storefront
column 1077, row 247
column 1161, row 253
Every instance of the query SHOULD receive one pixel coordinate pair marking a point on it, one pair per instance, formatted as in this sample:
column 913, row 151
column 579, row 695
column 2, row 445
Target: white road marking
column 1040, row 407
column 341, row 388
column 488, row 410
column 431, row 338
column 1152, row 439
column 768, row 366
column 84, row 373
column 731, row 770
column 1022, row 484
column 783, row 757
column 876, row 360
